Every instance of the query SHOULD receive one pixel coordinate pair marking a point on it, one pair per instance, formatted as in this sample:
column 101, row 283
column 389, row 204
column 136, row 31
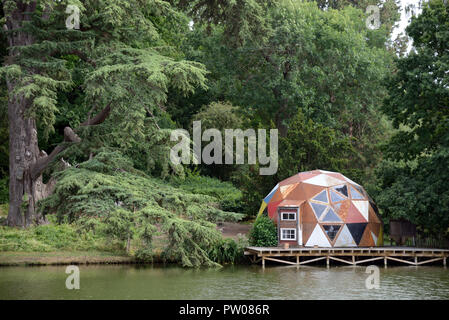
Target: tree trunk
column 23, row 149
column 24, row 190
column 26, row 161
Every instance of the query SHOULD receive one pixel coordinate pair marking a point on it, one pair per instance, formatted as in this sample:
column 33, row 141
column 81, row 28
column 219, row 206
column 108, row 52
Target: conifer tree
column 127, row 71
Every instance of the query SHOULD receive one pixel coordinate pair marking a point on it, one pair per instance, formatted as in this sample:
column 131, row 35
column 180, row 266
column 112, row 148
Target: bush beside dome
column 324, row 209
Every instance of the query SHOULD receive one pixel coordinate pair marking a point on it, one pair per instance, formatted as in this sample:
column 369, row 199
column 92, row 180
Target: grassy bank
column 57, row 244
column 14, row 258
column 54, row 244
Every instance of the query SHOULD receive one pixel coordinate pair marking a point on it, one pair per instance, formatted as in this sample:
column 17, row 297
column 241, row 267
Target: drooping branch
column 70, row 136
column 99, row 118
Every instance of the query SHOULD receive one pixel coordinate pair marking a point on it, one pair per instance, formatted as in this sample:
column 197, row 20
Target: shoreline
column 15, row 258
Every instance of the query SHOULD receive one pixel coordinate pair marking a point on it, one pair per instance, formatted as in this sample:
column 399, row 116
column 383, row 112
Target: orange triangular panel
column 277, row 196
column 354, row 216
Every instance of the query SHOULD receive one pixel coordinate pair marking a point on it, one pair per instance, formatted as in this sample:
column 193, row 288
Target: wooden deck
column 351, row 256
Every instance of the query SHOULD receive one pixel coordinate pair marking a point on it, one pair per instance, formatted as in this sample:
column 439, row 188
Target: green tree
column 126, row 76
column 413, row 183
column 322, row 61
column 220, row 116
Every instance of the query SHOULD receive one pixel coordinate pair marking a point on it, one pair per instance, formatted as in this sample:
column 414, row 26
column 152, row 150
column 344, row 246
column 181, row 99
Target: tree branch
column 70, row 136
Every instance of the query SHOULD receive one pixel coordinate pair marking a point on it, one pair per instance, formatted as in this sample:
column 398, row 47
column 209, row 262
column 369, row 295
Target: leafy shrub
column 230, row 198
column 228, row 251
column 263, row 233
column 144, row 254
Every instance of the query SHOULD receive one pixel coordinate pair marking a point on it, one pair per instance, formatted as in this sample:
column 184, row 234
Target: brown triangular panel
column 372, row 216
column 307, row 229
column 297, row 193
column 343, row 210
column 307, row 214
column 311, row 190
column 375, row 228
column 367, row 239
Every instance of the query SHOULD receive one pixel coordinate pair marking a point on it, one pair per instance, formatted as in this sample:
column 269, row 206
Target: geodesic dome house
column 324, row 209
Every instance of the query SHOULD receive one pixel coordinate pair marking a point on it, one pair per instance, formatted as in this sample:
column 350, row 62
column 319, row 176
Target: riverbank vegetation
column 92, row 110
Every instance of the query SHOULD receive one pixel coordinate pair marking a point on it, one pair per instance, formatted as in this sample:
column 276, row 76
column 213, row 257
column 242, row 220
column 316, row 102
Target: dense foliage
column 263, row 233
column 106, row 192
column 413, row 182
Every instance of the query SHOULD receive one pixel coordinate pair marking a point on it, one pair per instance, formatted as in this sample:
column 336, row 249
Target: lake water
column 235, row 282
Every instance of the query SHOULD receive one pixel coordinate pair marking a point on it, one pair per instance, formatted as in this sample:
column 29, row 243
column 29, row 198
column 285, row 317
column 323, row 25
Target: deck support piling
column 351, row 256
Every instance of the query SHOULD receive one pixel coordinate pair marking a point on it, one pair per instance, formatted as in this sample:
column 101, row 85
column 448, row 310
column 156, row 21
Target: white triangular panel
column 324, row 171
column 324, row 180
column 374, row 237
column 345, row 239
column 318, row 238
column 363, row 207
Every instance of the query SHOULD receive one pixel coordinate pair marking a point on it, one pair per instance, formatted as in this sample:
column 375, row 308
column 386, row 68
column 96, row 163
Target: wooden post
column 353, row 260
column 327, row 261
column 385, row 261
column 416, row 260
column 263, row 262
column 444, row 261
column 297, row 260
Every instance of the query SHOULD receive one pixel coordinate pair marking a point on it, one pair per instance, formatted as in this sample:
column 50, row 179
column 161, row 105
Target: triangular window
column 331, row 216
column 335, row 197
column 322, row 197
column 331, row 230
column 318, row 209
column 355, row 194
column 343, row 189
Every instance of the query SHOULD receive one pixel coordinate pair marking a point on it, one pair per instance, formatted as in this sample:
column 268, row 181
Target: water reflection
column 235, row 282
